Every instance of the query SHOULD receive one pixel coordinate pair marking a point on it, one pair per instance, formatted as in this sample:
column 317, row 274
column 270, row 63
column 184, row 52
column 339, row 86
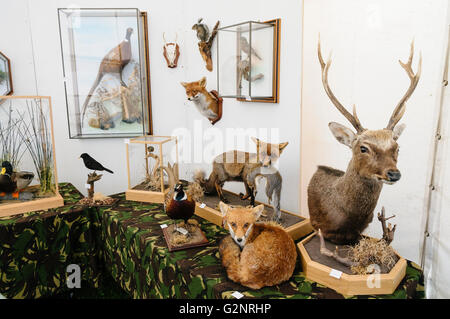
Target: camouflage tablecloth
column 127, row 241
column 137, row 256
column 36, row 248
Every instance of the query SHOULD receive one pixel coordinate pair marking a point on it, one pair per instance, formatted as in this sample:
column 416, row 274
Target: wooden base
column 198, row 239
column 210, row 213
column 145, row 196
column 31, row 206
column 351, row 284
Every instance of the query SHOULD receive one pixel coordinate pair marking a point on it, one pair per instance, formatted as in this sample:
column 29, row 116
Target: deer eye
column 233, row 224
column 364, row 149
column 245, row 225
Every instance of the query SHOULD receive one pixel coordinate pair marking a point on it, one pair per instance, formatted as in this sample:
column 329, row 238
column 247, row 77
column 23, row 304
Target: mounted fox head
column 268, row 153
column 240, row 220
column 374, row 151
column 195, row 90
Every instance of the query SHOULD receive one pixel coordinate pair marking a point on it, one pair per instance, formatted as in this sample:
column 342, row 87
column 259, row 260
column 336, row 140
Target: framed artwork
column 106, row 72
column 248, row 61
column 6, row 86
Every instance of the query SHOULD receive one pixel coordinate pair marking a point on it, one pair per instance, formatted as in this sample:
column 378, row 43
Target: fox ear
column 183, row 84
column 256, row 140
column 283, row 145
column 223, row 208
column 258, row 210
column 202, row 81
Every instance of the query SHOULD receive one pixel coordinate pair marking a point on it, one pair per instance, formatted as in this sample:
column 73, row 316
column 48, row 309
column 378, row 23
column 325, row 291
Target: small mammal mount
column 255, row 254
column 205, row 41
column 209, row 104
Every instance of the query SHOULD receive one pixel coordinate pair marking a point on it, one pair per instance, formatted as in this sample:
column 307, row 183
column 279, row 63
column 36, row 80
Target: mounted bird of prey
column 113, row 62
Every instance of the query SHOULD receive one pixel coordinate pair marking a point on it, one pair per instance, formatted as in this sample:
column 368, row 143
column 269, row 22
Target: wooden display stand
column 295, row 225
column 348, row 284
column 133, row 193
column 39, row 204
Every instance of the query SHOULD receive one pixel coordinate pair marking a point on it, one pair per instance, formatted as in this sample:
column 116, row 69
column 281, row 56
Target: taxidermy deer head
column 171, row 52
column 341, row 204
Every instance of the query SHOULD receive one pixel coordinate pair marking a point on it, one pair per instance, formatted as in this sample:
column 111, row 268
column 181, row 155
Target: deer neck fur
column 358, row 194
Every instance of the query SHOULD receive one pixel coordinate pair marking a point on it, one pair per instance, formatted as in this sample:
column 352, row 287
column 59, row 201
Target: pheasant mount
column 27, row 144
column 107, row 84
column 295, row 225
column 248, row 61
column 150, row 167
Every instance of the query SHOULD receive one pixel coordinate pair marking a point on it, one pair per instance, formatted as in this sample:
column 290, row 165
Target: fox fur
column 237, row 165
column 255, row 254
column 205, row 102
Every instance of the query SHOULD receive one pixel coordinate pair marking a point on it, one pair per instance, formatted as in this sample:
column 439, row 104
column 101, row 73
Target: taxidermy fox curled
column 255, row 254
column 237, row 165
column 207, row 103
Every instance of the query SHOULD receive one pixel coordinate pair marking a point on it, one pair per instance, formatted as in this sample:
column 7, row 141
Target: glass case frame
column 40, row 131
column 79, row 127
column 159, row 143
column 250, row 27
column 5, row 70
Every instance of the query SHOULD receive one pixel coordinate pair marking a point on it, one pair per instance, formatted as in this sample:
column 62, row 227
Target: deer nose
column 393, row 176
column 239, row 240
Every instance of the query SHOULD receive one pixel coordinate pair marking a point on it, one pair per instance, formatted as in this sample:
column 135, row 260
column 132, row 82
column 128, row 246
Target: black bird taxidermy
column 113, row 62
column 11, row 182
column 178, row 204
column 92, row 164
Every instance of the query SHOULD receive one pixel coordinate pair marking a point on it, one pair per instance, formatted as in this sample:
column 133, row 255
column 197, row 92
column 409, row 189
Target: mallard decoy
column 12, row 182
column 178, row 204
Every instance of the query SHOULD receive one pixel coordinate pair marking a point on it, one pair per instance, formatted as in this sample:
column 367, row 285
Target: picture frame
column 6, row 84
column 106, row 72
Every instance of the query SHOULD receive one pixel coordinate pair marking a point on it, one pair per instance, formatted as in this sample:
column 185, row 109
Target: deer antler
column 414, row 78
column 353, row 119
column 164, row 37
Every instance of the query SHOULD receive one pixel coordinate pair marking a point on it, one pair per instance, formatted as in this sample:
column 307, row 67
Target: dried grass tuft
column 369, row 251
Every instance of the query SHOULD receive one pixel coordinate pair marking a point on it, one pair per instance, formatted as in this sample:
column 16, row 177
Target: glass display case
column 152, row 167
column 28, row 178
column 6, row 87
column 106, row 73
column 248, row 61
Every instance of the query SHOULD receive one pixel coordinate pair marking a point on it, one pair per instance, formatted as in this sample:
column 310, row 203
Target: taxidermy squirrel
column 207, row 103
column 255, row 254
column 237, row 165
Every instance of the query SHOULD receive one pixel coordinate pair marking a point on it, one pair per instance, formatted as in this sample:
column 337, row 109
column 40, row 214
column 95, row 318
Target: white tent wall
column 366, row 39
column 437, row 245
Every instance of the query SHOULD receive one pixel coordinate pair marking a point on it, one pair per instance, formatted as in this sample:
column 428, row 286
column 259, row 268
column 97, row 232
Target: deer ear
column 282, row 146
column 398, row 130
column 202, row 81
column 343, row 134
column 223, row 208
column 183, row 84
column 258, row 210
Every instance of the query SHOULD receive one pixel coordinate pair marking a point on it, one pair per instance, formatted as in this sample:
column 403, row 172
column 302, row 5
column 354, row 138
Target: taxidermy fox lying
column 255, row 254
column 207, row 103
column 237, row 165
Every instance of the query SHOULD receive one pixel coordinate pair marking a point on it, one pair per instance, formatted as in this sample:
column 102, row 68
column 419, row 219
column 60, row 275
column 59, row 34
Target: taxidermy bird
column 92, row 164
column 113, row 62
column 202, row 30
column 245, row 47
column 12, row 182
column 178, row 204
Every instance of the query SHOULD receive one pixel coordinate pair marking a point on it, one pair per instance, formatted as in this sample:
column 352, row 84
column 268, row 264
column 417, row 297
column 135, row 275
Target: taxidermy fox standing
column 207, row 103
column 255, row 254
column 236, row 166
